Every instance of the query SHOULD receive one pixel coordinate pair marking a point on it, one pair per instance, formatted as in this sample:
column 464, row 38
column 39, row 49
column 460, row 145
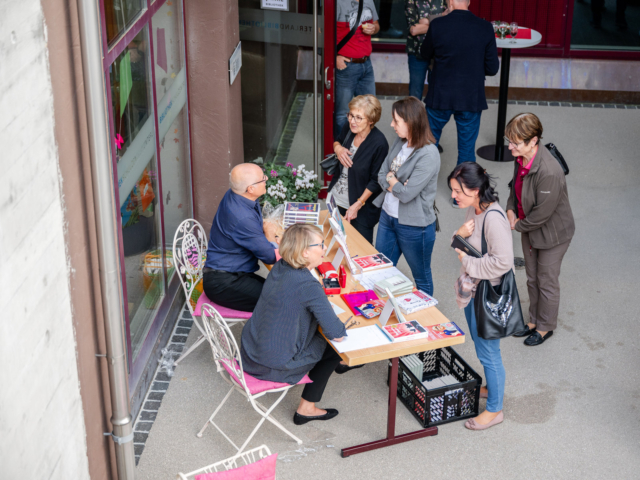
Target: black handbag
column 498, row 311
column 553, row 150
column 330, row 164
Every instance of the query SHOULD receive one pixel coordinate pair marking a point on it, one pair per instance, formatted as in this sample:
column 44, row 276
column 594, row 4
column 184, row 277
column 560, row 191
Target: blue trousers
column 417, row 75
column 468, row 126
column 488, row 352
column 356, row 79
column 416, row 243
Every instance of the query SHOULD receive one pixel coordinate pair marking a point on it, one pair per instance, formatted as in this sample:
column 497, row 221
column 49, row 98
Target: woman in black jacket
column 361, row 148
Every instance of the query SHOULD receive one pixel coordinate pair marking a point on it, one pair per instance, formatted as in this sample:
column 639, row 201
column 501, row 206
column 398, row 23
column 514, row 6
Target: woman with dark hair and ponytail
column 473, row 189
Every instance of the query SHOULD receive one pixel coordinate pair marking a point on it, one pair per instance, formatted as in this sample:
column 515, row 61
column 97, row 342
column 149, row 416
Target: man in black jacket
column 464, row 50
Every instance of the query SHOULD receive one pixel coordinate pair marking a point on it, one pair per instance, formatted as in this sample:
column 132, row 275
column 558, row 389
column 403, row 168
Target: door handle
column 327, row 82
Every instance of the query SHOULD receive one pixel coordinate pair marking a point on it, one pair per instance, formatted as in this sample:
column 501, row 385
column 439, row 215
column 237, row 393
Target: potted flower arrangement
column 289, row 184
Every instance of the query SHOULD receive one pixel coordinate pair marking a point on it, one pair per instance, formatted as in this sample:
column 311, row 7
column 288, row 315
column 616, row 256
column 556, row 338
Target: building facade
column 176, row 124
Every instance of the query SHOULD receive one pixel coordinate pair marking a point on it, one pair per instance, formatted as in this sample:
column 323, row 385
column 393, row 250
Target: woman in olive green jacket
column 538, row 208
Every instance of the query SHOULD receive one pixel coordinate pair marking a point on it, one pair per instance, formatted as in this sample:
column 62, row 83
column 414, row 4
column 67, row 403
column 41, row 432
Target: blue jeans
column 468, row 126
column 356, row 79
column 488, row 352
column 417, row 75
column 416, row 243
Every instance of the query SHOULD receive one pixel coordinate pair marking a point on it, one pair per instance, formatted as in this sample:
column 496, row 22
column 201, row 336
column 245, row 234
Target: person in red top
column 354, row 72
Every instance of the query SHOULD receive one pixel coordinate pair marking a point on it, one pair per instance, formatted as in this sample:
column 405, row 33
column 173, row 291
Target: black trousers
column 239, row 291
column 364, row 230
column 320, row 375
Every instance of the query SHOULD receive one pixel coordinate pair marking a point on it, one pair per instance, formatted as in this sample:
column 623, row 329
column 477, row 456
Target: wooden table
column 430, row 316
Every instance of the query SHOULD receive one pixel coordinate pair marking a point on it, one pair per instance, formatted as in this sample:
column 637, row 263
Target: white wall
column 42, row 433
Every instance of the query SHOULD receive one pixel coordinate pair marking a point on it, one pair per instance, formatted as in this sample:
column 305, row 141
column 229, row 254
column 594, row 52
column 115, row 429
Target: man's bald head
column 460, row 4
column 243, row 175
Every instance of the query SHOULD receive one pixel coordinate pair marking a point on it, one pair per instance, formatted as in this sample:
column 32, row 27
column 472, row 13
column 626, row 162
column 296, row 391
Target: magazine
column 401, row 332
column 373, row 262
column 371, row 309
column 302, row 207
column 444, row 330
column 354, row 299
column 298, row 212
column 415, row 301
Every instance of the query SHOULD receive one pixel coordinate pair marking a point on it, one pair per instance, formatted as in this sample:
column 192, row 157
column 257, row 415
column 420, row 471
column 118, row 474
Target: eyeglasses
column 264, row 179
column 509, row 142
column 317, row 245
column 357, row 118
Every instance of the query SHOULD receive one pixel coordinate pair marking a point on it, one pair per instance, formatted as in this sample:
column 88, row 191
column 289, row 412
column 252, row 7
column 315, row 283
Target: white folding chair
column 250, row 456
column 227, row 357
column 190, row 255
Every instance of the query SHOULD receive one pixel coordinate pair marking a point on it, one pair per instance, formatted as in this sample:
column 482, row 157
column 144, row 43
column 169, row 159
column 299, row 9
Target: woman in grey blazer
column 409, row 177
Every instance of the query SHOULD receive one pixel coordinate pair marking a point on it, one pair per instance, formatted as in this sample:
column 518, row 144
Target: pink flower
column 290, row 165
column 274, row 173
column 294, row 173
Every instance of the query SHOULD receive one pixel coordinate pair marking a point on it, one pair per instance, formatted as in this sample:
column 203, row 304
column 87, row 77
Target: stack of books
column 299, row 212
column 414, row 364
column 415, row 301
column 397, row 285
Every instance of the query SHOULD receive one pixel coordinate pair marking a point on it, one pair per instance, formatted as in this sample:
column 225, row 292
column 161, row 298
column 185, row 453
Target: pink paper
column 161, row 50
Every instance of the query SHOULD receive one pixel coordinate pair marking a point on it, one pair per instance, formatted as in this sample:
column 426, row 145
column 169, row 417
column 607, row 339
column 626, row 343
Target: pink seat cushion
column 225, row 312
column 255, row 385
column 264, row 469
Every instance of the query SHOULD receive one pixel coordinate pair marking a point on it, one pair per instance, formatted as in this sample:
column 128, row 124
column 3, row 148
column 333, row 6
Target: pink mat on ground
column 256, row 385
column 264, row 469
column 225, row 312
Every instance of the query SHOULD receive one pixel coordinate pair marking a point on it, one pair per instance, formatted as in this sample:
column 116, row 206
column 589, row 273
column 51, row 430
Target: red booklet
column 373, row 262
column 355, row 299
column 400, row 332
column 444, row 330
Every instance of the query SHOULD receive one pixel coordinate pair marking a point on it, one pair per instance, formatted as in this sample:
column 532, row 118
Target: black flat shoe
column 525, row 333
column 302, row 419
column 340, row 369
column 536, row 339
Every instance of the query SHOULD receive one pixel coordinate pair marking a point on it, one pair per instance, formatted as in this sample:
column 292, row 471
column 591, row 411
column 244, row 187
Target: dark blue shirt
column 236, row 240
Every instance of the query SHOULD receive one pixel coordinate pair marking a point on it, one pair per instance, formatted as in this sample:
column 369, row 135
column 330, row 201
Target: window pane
column 134, row 137
column 394, row 24
column 118, row 14
column 606, row 25
column 171, row 91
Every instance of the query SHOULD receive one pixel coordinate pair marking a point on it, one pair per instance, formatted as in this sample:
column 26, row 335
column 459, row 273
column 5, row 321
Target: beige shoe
column 471, row 424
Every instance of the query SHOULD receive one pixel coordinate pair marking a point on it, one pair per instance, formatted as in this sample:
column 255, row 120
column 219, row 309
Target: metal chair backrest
column 246, row 458
column 190, row 255
column 223, row 343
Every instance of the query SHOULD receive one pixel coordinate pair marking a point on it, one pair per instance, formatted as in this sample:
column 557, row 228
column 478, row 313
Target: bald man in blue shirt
column 237, row 241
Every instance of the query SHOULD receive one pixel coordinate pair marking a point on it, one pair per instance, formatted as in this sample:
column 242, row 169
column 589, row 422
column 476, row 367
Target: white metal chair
column 227, row 357
column 190, row 255
column 248, row 457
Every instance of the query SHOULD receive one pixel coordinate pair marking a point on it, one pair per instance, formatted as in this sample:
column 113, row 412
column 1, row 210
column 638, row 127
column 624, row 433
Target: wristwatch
column 390, row 176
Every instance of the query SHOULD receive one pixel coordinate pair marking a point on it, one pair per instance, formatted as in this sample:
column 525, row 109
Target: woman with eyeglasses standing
column 538, row 208
column 361, row 149
column 281, row 342
column 409, row 176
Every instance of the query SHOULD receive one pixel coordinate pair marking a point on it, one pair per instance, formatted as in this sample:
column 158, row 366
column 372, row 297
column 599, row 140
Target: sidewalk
column 572, row 405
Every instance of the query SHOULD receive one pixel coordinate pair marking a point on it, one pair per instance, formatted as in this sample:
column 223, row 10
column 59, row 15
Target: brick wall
column 42, row 432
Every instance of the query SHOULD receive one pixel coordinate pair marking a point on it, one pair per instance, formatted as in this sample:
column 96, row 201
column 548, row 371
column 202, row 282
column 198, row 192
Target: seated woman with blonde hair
column 281, row 342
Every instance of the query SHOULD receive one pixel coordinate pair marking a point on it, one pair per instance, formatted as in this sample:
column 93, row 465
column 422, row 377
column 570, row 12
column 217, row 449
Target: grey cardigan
column 420, row 171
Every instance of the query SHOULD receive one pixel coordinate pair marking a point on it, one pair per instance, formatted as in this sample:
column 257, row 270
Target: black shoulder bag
column 498, row 311
column 352, row 32
column 330, row 164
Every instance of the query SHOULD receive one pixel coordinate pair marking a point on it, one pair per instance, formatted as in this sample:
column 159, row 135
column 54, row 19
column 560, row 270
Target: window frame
column 110, row 54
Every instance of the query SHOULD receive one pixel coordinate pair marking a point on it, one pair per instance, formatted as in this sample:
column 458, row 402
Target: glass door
column 281, row 71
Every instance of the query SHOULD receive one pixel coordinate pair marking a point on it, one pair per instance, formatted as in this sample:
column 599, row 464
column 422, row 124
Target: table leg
column 391, row 439
column 498, row 151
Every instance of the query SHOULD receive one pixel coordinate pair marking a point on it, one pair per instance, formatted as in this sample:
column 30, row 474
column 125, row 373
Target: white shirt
column 391, row 203
column 340, row 190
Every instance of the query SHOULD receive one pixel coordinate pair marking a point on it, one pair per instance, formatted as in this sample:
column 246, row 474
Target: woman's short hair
column 370, row 105
column 472, row 176
column 295, row 241
column 412, row 111
column 523, row 128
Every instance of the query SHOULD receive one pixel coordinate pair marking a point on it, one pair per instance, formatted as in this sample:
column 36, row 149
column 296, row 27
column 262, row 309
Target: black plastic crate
column 440, row 405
